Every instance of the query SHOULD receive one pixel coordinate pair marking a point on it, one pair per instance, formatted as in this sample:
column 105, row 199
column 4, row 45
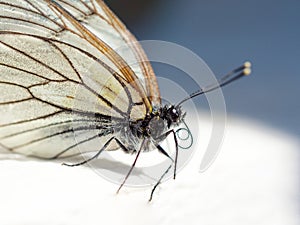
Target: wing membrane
column 144, row 69
column 94, row 22
column 40, row 137
column 58, row 78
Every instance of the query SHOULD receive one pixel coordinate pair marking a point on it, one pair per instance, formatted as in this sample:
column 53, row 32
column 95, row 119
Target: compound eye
column 174, row 114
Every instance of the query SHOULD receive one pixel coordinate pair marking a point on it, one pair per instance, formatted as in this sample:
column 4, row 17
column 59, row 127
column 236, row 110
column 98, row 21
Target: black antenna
column 235, row 74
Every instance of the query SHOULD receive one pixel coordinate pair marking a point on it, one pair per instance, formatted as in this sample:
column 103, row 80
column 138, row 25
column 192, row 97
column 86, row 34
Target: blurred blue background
column 225, row 34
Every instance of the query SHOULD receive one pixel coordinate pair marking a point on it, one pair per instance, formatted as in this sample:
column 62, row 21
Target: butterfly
column 61, row 73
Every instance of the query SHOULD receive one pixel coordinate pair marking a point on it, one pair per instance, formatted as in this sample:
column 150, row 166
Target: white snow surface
column 254, row 180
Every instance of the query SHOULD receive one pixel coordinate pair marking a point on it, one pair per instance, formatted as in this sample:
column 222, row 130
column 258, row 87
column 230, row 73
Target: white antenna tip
column 247, row 64
column 247, row 71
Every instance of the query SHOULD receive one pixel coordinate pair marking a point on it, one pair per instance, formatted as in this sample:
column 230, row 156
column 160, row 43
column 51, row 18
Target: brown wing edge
column 152, row 85
column 106, row 50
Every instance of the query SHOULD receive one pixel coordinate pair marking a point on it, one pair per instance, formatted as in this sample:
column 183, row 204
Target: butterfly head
column 173, row 115
column 160, row 120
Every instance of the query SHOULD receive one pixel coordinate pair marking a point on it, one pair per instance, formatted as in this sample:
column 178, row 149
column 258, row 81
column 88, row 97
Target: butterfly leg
column 99, row 152
column 163, row 137
column 132, row 166
column 161, row 150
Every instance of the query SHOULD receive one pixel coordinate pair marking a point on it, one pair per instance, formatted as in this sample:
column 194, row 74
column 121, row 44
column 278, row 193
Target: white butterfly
column 71, row 67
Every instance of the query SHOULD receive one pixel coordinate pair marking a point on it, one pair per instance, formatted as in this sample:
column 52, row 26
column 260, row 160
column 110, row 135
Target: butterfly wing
column 144, row 70
column 97, row 17
column 61, row 85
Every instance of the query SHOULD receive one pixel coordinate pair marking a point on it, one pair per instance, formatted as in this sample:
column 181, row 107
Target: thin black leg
column 163, row 137
column 132, row 166
column 161, row 150
column 98, row 153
